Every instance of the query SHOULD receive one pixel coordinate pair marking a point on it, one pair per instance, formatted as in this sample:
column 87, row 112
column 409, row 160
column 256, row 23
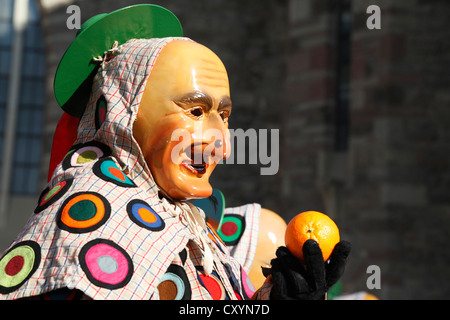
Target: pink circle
column 74, row 157
column 247, row 284
column 101, row 250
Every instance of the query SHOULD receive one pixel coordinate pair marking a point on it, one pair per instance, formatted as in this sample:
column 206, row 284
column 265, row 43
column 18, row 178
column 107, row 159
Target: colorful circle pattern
column 106, row 264
column 231, row 229
column 100, row 112
column 174, row 285
column 83, row 212
column 18, row 265
column 83, row 154
column 50, row 196
column 143, row 215
column 108, row 170
column 213, row 285
column 247, row 286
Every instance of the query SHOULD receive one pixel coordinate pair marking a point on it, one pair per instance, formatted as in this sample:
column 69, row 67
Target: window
column 27, row 146
column 5, row 53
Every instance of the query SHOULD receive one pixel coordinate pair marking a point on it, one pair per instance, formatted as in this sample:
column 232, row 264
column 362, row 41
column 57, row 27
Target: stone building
column 362, row 116
column 369, row 139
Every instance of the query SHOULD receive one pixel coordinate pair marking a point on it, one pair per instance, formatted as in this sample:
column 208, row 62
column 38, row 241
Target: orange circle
column 147, row 215
column 72, row 223
column 117, row 173
column 311, row 225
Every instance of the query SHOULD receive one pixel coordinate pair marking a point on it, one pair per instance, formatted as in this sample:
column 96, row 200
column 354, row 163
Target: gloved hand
column 291, row 281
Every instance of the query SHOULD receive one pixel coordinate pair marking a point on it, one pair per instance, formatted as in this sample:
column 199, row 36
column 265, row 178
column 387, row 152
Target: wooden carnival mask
column 182, row 122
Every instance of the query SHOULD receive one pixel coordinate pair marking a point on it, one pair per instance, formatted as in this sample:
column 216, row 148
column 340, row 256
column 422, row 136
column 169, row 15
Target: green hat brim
column 76, row 70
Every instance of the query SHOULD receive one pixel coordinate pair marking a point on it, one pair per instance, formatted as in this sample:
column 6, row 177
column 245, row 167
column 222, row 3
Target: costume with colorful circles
column 101, row 226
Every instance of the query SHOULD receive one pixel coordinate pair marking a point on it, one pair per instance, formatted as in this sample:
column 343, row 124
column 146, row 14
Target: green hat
column 77, row 68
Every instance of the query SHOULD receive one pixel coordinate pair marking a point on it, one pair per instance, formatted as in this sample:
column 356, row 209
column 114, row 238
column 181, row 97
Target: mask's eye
column 196, row 112
column 224, row 115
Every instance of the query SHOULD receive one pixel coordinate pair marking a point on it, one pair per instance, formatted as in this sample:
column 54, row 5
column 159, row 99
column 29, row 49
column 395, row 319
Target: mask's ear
column 64, row 137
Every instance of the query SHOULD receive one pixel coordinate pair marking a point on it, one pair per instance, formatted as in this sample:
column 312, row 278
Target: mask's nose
column 215, row 138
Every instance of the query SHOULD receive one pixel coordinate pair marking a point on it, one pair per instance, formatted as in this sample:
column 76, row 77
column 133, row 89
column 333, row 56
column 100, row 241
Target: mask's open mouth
column 195, row 168
column 194, row 160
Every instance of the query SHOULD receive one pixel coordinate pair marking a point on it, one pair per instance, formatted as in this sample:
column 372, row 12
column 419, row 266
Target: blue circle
column 133, row 208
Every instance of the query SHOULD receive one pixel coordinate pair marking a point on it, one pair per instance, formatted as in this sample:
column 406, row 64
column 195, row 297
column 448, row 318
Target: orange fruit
column 311, row 225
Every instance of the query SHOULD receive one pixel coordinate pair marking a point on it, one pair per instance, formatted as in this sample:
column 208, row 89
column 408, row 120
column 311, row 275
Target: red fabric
column 213, row 287
column 14, row 265
column 63, row 139
column 229, row 228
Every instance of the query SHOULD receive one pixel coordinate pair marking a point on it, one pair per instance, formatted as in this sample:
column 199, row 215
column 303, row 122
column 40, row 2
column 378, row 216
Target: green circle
column 28, row 254
column 86, row 157
column 83, row 210
column 234, row 236
column 54, row 190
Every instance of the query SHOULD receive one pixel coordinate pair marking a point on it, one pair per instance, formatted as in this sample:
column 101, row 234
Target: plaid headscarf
column 101, row 227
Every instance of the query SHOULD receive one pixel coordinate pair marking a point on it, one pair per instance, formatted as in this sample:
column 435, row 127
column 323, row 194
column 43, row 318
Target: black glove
column 291, row 281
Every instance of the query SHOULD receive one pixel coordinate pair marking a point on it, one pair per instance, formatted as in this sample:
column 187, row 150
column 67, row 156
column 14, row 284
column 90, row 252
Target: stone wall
column 396, row 203
column 388, row 190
